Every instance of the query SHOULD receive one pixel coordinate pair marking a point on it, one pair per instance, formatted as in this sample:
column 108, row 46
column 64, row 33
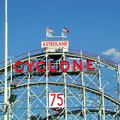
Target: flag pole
column 62, row 36
column 46, row 33
column 6, row 60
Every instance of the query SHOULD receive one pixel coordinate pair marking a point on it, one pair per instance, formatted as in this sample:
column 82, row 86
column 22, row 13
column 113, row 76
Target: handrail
column 73, row 50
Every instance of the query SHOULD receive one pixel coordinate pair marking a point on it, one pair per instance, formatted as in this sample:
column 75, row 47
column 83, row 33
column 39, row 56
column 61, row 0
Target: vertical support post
column 99, row 84
column 102, row 105
column 81, row 54
column 83, row 97
column 65, row 90
column 83, row 93
column 28, row 93
column 118, row 80
column 10, row 91
column 6, row 62
column 47, row 110
column 118, row 89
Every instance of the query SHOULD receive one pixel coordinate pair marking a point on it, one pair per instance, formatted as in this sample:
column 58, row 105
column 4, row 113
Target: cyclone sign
column 51, row 66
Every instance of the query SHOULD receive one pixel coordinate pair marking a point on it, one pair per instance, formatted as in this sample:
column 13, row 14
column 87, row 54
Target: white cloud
column 114, row 53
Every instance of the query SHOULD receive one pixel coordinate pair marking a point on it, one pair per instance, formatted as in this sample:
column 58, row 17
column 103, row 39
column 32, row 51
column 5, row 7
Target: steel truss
column 89, row 95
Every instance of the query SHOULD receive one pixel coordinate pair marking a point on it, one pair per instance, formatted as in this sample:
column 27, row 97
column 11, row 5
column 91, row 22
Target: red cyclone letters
column 76, row 65
column 53, row 66
column 16, row 66
column 38, row 64
column 64, row 65
column 89, row 66
column 30, row 65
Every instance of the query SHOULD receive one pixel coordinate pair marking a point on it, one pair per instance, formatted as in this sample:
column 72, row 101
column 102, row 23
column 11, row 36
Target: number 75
column 56, row 100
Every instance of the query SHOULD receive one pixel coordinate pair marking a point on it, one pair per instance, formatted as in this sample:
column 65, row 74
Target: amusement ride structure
column 58, row 83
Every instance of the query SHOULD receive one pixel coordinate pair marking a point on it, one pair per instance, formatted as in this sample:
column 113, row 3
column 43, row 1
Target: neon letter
column 76, row 65
column 64, row 67
column 37, row 66
column 88, row 65
column 16, row 68
column 50, row 65
column 30, row 65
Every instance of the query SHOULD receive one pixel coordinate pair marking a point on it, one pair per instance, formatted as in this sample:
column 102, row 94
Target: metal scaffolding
column 87, row 94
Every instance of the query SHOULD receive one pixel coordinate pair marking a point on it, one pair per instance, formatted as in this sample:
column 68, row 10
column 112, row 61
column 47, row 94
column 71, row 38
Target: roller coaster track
column 80, row 112
column 76, row 55
column 77, row 87
column 83, row 55
column 69, row 85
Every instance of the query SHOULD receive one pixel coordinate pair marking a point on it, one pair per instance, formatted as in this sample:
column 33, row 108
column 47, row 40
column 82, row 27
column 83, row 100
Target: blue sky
column 94, row 25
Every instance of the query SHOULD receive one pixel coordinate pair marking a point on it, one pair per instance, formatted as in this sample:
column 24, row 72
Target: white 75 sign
column 56, row 100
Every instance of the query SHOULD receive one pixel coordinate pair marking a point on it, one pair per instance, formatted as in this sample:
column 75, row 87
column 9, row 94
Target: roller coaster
column 88, row 95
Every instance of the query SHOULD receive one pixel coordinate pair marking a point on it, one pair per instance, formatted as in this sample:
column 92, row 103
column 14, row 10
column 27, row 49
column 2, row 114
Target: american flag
column 66, row 30
column 50, row 30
